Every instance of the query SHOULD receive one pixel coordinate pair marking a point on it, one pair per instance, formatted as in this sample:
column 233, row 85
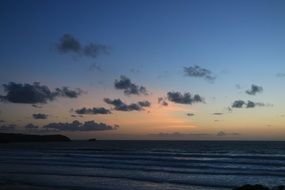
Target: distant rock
column 11, row 137
column 259, row 187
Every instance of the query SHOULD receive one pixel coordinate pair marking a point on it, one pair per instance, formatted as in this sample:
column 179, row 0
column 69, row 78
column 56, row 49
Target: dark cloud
column 124, row 83
column 217, row 113
column 162, row 101
column 66, row 92
column 248, row 104
column 190, row 114
column 185, row 98
column 31, row 126
column 121, row 106
column 93, row 111
column 35, row 93
column 254, row 90
column 238, row 104
column 69, row 44
column 8, row 127
column 199, row 72
column 2, row 121
column 222, row 133
column 40, row 116
column 78, row 126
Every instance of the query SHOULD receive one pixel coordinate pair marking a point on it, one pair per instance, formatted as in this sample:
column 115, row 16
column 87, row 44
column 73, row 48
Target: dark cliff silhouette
column 11, row 137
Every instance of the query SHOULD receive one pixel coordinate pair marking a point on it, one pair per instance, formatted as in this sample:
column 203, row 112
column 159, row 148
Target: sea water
column 144, row 165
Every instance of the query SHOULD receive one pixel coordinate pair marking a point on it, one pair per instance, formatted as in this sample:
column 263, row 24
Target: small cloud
column 190, row 114
column 124, row 83
column 254, row 90
column 238, row 104
column 69, row 44
column 186, row 98
column 199, row 72
column 31, row 126
column 162, row 101
column 2, row 121
column 78, row 126
column 217, row 113
column 119, row 105
column 93, row 111
column 40, row 116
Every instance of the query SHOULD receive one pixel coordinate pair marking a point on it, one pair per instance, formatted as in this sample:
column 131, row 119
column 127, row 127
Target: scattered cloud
column 69, row 44
column 186, row 98
column 40, row 116
column 248, row 104
column 119, row 105
column 254, row 90
column 93, row 111
column 162, row 101
column 199, row 72
column 35, row 93
column 78, row 126
column 124, row 83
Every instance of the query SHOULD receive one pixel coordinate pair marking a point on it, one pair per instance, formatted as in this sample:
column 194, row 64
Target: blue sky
column 150, row 42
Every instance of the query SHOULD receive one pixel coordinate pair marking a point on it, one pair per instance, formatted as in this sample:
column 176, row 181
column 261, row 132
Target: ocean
column 143, row 165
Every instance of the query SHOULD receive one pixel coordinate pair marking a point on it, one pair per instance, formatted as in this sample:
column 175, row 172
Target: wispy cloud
column 199, row 72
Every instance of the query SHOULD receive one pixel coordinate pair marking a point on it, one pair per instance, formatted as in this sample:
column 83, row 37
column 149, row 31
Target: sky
column 158, row 70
